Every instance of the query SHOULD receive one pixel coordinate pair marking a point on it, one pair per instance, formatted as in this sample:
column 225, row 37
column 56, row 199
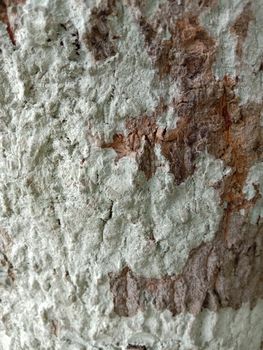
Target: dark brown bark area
column 99, row 38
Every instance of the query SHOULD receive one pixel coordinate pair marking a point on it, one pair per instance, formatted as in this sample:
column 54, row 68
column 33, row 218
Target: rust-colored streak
column 11, row 34
column 120, row 146
column 99, row 38
column 54, row 327
column 240, row 27
column 4, row 17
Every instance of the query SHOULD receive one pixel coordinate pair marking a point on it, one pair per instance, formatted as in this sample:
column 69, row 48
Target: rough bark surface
column 131, row 174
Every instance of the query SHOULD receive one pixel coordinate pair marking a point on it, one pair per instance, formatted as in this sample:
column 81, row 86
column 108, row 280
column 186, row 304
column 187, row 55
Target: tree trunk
column 131, row 174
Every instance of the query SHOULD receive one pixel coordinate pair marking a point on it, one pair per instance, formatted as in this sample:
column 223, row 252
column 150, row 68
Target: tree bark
column 131, row 163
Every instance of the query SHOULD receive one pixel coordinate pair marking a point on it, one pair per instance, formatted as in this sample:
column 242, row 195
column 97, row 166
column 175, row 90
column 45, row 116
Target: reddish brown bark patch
column 188, row 57
column 99, row 38
column 4, row 5
column 142, row 135
column 208, row 108
column 210, row 119
column 4, row 18
column 227, row 271
column 240, row 27
column 173, row 35
column 217, row 274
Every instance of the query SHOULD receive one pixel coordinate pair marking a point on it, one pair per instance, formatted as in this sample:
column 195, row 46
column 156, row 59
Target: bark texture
column 131, row 174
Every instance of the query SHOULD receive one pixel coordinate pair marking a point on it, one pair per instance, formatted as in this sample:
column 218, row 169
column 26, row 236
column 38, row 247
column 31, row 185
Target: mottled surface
column 131, row 175
column 225, row 273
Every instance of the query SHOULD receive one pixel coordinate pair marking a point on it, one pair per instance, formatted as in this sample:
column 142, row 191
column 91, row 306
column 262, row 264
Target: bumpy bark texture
column 131, row 158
